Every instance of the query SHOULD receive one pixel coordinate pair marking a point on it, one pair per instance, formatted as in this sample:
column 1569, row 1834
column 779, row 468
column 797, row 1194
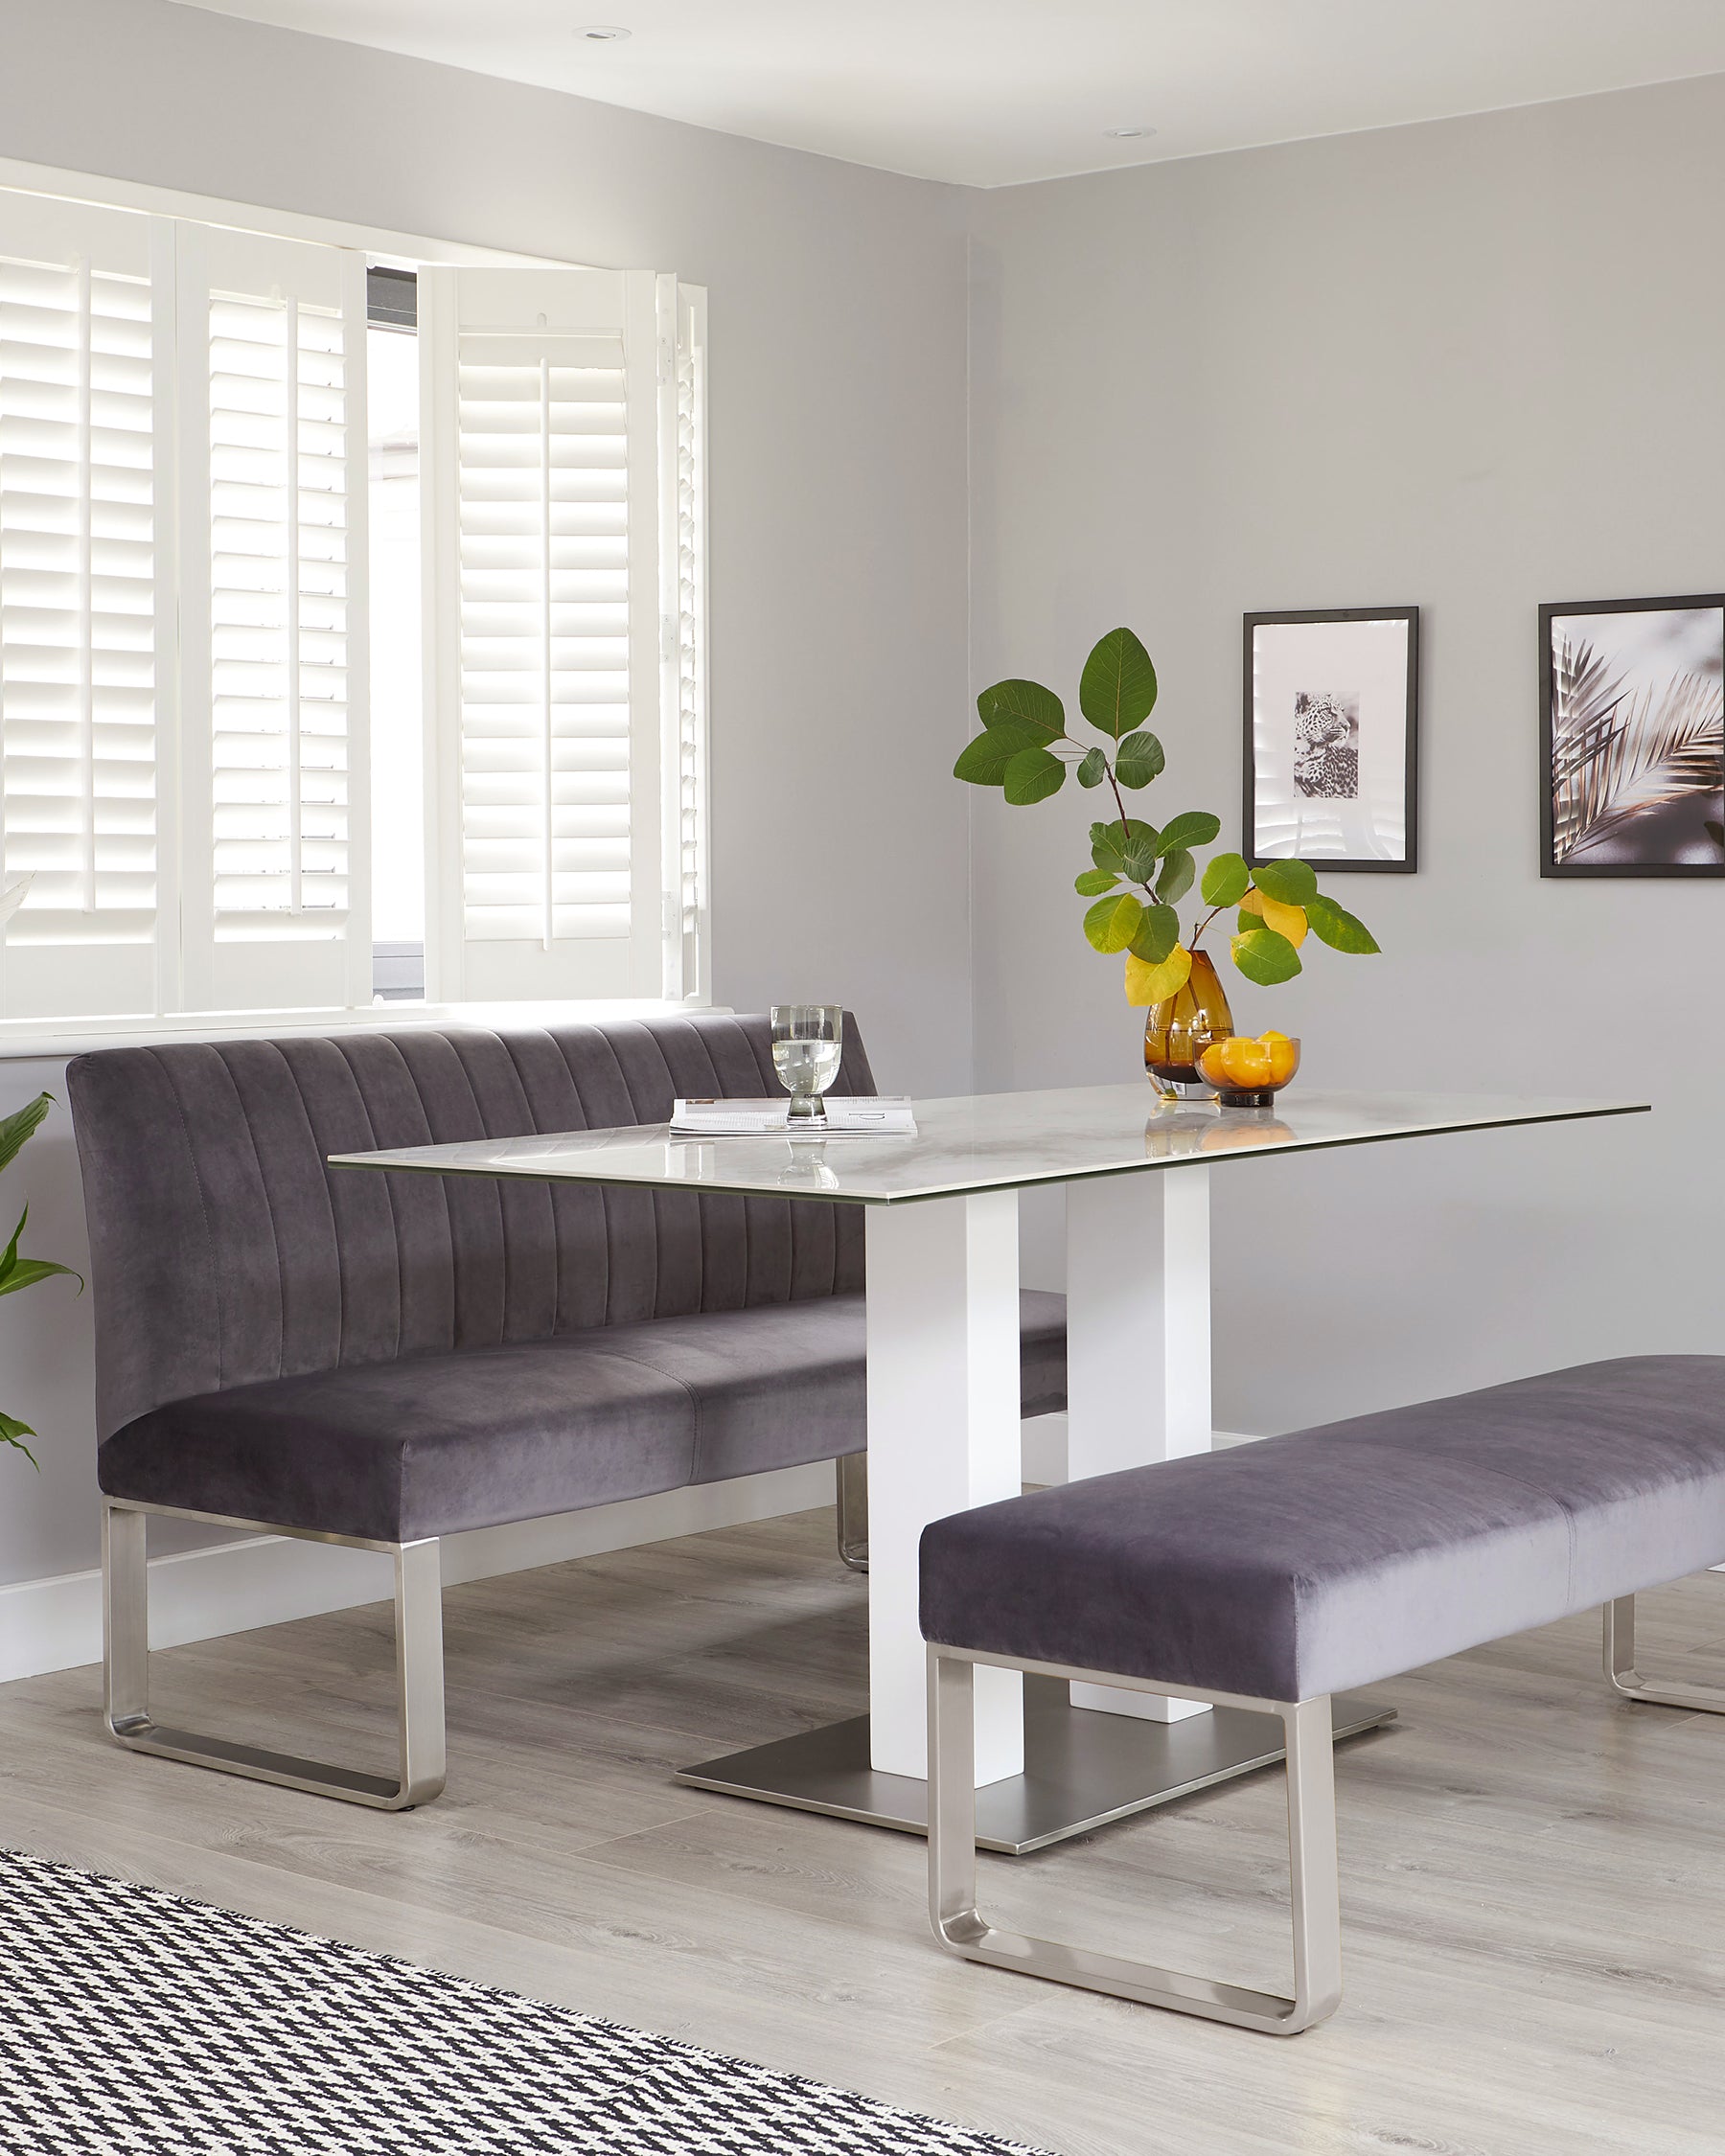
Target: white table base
column 1137, row 1346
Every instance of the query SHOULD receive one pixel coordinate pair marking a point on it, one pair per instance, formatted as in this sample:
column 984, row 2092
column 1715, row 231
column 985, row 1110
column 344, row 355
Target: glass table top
column 986, row 1141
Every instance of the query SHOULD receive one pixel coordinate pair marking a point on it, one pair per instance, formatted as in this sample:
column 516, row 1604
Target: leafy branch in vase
column 1140, row 874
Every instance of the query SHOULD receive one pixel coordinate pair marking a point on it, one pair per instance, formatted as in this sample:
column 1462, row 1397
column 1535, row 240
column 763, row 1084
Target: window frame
column 683, row 898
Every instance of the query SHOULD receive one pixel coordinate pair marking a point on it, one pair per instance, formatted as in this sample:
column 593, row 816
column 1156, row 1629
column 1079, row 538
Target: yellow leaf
column 1288, row 921
column 1253, row 903
column 1154, row 985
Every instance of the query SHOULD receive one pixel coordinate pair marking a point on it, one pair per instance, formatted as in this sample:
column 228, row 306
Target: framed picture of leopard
column 1332, row 738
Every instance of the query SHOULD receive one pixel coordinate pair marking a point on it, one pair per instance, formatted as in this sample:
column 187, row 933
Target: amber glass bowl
column 1249, row 1073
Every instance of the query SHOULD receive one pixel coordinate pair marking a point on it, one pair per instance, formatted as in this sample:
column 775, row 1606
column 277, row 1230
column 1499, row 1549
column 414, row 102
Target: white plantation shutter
column 184, row 736
column 85, row 604
column 543, row 532
column 682, row 328
column 275, row 740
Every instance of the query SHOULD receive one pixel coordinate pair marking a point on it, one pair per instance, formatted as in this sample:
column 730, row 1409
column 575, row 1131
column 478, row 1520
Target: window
column 350, row 622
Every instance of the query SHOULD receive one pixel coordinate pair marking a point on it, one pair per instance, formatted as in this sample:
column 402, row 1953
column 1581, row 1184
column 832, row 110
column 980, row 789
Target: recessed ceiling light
column 1126, row 134
column 603, row 33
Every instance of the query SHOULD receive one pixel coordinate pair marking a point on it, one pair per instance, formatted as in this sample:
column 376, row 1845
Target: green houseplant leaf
column 1137, row 760
column 1110, row 843
column 1111, row 922
column 1225, row 880
column 1093, row 767
column 1197, row 827
column 1332, row 925
column 14, row 1433
column 1292, row 882
column 1117, row 690
column 1157, row 933
column 1032, row 775
column 1094, row 882
column 1178, row 869
column 17, row 1272
column 983, row 761
column 1023, row 704
column 1265, row 958
column 16, row 1127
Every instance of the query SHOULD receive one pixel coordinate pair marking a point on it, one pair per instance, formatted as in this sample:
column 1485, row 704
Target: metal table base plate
column 1083, row 1769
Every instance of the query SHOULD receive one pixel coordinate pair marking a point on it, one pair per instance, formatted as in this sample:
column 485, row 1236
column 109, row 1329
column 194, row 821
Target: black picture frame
column 1409, row 863
column 1550, row 615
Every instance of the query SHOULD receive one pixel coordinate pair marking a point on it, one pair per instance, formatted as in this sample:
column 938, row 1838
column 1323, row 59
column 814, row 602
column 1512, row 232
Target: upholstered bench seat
column 386, row 1359
column 432, row 1444
column 1275, row 1575
column 1341, row 1556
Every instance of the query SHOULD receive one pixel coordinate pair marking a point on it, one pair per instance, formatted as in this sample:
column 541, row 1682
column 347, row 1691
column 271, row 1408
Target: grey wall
column 837, row 321
column 1472, row 365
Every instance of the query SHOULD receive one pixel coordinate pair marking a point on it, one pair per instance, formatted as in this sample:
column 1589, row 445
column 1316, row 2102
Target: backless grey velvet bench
column 1275, row 1575
column 381, row 1360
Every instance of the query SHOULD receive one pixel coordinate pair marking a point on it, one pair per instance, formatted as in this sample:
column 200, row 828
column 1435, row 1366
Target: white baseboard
column 48, row 1624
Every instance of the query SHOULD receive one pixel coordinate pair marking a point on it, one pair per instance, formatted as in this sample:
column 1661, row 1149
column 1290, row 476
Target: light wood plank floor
column 1533, row 1872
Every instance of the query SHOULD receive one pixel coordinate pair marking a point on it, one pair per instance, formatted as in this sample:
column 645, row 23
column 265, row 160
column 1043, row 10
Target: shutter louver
column 80, row 591
column 542, row 447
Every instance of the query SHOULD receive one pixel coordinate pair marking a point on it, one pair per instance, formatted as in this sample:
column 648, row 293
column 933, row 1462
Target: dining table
column 941, row 1210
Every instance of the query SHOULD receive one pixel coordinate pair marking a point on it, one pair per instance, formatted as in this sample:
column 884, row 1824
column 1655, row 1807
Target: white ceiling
column 991, row 92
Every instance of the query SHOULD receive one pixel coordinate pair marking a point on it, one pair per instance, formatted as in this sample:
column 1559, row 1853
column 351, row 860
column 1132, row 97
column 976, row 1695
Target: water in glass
column 808, row 1046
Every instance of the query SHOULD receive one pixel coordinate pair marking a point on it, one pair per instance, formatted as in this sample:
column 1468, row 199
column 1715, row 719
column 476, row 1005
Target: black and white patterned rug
column 131, row 2020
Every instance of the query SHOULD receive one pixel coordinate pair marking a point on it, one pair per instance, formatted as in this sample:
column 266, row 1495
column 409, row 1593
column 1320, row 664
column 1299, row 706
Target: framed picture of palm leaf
column 1632, row 704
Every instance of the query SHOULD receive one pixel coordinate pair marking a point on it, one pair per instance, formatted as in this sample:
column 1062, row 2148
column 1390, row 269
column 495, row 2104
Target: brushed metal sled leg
column 1316, row 1916
column 1627, row 1681
column 852, row 1469
column 418, row 1677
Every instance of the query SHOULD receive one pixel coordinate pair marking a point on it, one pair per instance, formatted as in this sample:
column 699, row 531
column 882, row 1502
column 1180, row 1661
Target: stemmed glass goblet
column 808, row 1046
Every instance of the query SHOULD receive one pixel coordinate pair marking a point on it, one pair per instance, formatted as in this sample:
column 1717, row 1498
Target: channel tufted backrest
column 224, row 1252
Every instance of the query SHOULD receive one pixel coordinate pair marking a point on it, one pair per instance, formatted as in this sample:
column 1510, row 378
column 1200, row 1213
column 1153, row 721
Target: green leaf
column 1196, row 828
column 1032, row 775
column 17, row 1272
column 983, row 762
column 1094, row 882
column 1140, row 859
column 1178, row 870
column 1332, row 925
column 29, row 1270
column 1023, row 704
column 1137, row 760
column 1092, row 769
column 1111, row 922
column 1265, row 958
column 1225, row 880
column 1292, row 882
column 1158, row 931
column 1117, row 690
column 14, row 1433
column 17, row 1127
column 1108, row 843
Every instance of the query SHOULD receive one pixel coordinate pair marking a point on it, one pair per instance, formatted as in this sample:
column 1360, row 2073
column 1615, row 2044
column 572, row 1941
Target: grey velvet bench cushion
column 388, row 1359
column 1275, row 1575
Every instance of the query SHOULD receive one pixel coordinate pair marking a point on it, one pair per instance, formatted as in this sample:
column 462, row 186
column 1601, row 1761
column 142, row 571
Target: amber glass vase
column 1177, row 1032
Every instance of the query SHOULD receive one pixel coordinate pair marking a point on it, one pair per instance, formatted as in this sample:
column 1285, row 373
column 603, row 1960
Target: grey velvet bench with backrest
column 1275, row 1575
column 383, row 1360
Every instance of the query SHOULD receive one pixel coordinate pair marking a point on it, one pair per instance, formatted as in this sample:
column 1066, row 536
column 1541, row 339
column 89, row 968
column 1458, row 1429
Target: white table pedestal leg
column 943, row 1436
column 1137, row 1345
